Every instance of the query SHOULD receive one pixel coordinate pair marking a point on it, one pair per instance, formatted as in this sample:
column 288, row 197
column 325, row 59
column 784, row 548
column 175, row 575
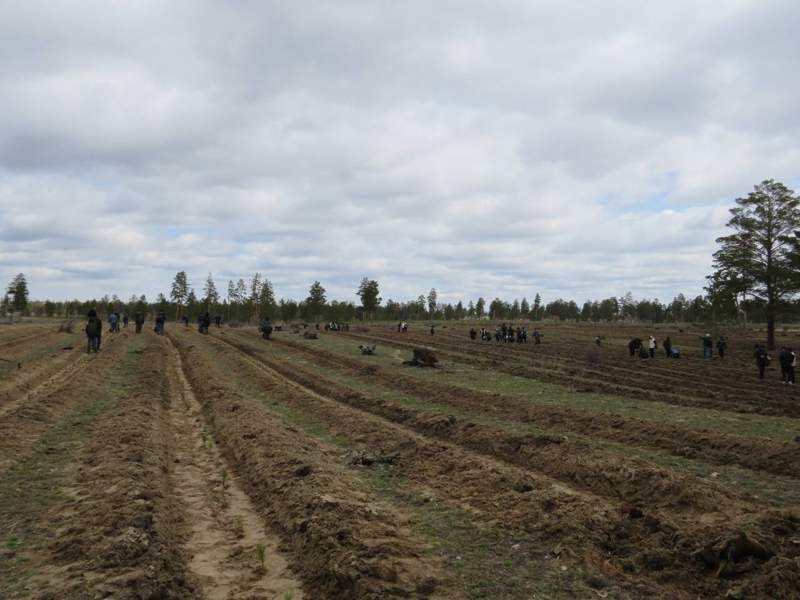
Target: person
column 787, row 359
column 597, row 341
column 266, row 328
column 537, row 337
column 113, row 320
column 161, row 319
column 792, row 365
column 94, row 331
column 524, row 335
column 185, row 319
column 432, row 331
column 125, row 320
column 472, row 333
column 722, row 346
column 708, row 346
column 205, row 322
column 138, row 320
column 400, row 327
column 217, row 320
column 652, row 345
column 504, row 331
column 668, row 347
column 762, row 359
column 634, row 345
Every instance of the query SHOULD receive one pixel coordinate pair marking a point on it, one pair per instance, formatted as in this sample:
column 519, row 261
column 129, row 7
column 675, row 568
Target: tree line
column 756, row 277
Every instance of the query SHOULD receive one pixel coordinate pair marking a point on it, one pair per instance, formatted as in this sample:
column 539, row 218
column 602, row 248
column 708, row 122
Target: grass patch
column 458, row 374
column 32, row 486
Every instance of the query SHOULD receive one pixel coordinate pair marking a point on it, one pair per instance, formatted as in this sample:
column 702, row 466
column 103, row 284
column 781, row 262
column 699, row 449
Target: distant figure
column 668, row 347
column 472, row 333
column 125, row 320
column 205, row 322
column 94, row 330
column 161, row 319
column 708, row 346
column 113, row 320
column 185, row 319
column 787, row 359
column 432, row 330
column 399, row 327
column 762, row 359
column 652, row 345
column 537, row 337
column 217, row 320
column 634, row 345
column 597, row 341
column 722, row 346
column 266, row 328
column 138, row 320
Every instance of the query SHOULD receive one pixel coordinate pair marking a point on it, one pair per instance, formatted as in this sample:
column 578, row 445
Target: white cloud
column 494, row 149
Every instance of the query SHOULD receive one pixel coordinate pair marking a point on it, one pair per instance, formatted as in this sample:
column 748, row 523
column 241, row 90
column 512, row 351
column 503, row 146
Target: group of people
column 786, row 358
column 334, row 326
column 506, row 333
column 94, row 326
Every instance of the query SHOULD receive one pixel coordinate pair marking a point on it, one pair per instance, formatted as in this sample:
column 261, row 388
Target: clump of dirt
column 363, row 457
column 422, row 358
column 67, row 326
column 311, row 335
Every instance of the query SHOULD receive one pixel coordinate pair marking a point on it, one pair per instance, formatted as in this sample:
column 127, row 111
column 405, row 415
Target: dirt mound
column 422, row 357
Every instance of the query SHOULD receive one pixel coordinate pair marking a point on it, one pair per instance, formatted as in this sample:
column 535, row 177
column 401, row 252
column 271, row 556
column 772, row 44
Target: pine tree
column 266, row 298
column 316, row 300
column 760, row 258
column 210, row 294
column 432, row 296
column 18, row 292
column 180, row 292
column 368, row 292
column 480, row 307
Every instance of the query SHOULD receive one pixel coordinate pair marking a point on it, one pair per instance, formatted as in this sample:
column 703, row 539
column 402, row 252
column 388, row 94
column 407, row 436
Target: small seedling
column 288, row 596
column 261, row 552
column 225, row 478
column 238, row 527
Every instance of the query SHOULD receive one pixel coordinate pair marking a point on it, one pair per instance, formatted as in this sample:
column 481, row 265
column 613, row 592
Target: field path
column 225, row 530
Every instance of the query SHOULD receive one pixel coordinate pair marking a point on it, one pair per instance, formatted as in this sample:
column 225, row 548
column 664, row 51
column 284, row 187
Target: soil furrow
column 346, row 543
column 227, row 540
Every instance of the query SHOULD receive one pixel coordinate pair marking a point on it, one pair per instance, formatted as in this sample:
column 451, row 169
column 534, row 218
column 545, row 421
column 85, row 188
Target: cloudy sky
column 577, row 149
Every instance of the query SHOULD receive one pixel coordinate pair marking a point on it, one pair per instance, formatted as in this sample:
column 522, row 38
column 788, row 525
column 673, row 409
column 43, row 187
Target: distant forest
column 248, row 301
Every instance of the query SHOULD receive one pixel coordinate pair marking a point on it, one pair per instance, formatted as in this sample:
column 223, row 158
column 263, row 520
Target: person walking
column 161, row 319
column 722, row 346
column 634, row 345
column 94, row 331
column 668, row 347
column 788, row 360
column 652, row 345
column 113, row 320
column 762, row 359
column 708, row 346
column 138, row 321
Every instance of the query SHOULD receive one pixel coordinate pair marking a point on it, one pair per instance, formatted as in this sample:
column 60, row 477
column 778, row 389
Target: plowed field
column 227, row 466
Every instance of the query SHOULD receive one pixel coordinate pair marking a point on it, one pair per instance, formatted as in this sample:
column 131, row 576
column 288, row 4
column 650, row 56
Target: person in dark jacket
column 634, row 345
column 708, row 346
column 185, row 319
column 722, row 346
column 787, row 360
column 668, row 347
column 161, row 319
column 217, row 320
column 265, row 328
column 472, row 333
column 205, row 322
column 125, row 320
column 94, row 331
column 138, row 320
column 762, row 359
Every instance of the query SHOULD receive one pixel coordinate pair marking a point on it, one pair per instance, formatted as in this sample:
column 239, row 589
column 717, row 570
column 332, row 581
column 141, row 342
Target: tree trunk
column 770, row 311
